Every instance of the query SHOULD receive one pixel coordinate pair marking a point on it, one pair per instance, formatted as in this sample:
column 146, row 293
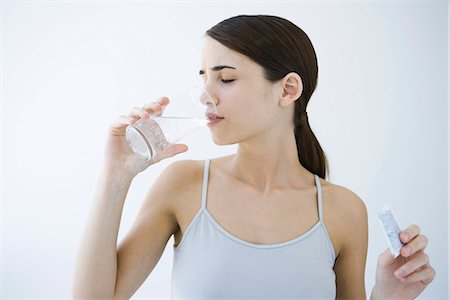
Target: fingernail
column 405, row 236
column 399, row 273
column 407, row 250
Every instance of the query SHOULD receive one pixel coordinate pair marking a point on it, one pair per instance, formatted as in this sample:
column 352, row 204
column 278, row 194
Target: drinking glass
column 183, row 115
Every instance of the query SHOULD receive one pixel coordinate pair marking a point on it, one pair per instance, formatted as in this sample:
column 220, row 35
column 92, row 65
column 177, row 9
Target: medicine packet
column 391, row 230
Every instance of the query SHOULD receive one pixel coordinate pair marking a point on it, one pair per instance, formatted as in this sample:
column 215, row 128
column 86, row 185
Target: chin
column 222, row 141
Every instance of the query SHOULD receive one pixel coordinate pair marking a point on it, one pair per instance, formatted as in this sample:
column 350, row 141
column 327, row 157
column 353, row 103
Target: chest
column 271, row 219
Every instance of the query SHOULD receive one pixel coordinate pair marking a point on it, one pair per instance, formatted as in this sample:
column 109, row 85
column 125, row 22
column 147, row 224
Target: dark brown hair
column 280, row 47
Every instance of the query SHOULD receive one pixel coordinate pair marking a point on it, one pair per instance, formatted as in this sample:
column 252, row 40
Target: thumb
column 175, row 149
column 386, row 258
column 169, row 152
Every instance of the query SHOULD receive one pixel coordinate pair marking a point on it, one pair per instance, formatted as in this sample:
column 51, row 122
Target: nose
column 207, row 97
column 208, row 100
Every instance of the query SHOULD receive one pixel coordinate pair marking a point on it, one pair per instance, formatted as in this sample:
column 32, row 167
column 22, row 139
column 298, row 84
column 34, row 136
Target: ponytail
column 310, row 153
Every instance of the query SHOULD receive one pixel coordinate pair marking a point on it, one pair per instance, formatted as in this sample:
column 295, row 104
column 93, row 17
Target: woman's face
column 248, row 103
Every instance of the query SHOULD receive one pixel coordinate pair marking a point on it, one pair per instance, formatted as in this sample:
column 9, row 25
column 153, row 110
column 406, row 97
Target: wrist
column 118, row 176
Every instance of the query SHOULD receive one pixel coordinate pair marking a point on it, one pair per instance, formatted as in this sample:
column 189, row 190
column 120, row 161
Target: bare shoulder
column 344, row 211
column 180, row 177
column 345, row 200
column 182, row 172
column 168, row 188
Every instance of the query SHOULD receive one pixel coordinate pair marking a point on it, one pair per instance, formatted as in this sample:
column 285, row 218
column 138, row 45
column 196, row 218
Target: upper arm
column 350, row 263
column 142, row 247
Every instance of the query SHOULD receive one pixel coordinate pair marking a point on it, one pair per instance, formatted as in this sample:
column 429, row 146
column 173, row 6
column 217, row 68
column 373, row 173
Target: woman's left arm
column 406, row 276
column 350, row 264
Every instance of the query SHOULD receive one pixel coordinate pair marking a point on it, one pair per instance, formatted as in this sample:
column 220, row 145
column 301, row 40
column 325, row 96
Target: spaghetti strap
column 205, row 183
column 319, row 196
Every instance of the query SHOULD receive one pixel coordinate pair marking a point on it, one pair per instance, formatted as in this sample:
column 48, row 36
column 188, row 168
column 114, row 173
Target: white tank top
column 211, row 263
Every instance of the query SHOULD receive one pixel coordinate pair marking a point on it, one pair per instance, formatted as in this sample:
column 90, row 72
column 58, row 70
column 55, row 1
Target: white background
column 380, row 112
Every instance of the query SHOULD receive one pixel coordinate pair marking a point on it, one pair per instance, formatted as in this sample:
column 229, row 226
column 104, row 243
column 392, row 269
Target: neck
column 271, row 165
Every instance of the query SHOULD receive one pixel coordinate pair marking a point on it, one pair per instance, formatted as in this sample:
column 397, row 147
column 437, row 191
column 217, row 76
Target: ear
column 292, row 88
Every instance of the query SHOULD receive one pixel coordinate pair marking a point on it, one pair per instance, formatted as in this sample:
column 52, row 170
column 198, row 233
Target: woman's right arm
column 96, row 267
column 97, row 275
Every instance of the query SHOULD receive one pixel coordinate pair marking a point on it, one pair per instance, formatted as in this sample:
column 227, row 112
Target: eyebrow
column 217, row 68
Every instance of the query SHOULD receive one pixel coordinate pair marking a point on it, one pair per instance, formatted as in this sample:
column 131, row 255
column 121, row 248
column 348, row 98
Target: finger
column 175, row 149
column 409, row 233
column 160, row 103
column 385, row 258
column 122, row 121
column 415, row 264
column 426, row 276
column 139, row 112
column 118, row 126
column 156, row 108
column 418, row 243
column 163, row 101
column 152, row 107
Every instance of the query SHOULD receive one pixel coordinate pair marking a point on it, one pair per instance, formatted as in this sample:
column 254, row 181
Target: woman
column 260, row 223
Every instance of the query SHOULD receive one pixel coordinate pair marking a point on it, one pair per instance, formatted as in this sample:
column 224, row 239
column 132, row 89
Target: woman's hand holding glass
column 118, row 155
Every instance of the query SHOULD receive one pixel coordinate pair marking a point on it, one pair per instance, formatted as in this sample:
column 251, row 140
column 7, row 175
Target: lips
column 213, row 116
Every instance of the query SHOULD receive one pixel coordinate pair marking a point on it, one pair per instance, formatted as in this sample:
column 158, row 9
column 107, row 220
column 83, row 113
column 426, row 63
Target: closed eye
column 227, row 81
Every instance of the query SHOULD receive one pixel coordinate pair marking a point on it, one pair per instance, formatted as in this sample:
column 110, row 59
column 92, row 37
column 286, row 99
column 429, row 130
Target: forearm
column 96, row 266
